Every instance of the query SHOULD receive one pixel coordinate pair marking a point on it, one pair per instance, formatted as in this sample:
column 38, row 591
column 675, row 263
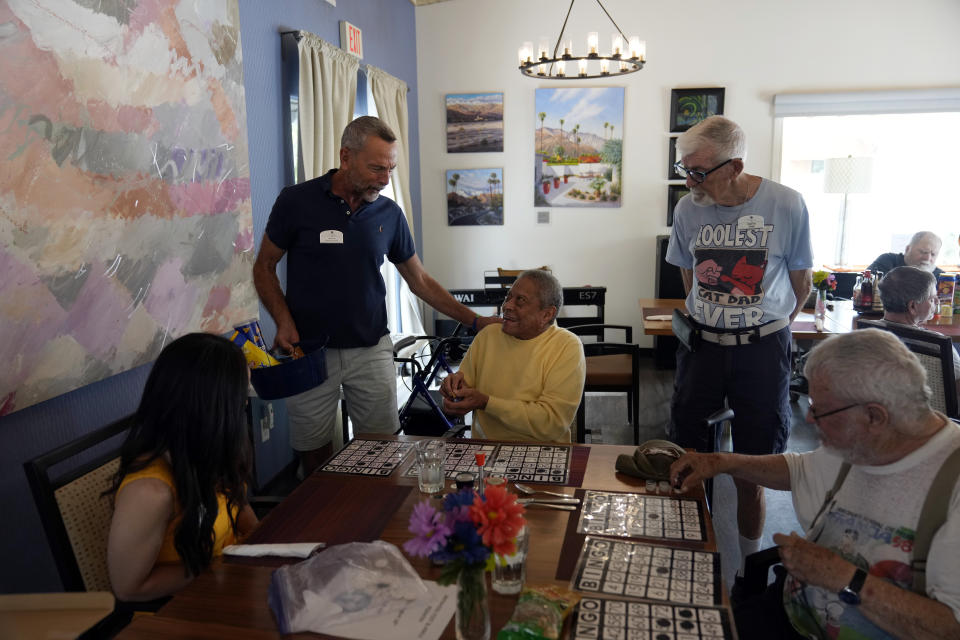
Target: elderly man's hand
column 451, row 385
column 468, row 400
column 691, row 469
column 813, row 564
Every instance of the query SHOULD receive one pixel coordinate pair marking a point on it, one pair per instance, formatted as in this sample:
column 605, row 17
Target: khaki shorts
column 369, row 380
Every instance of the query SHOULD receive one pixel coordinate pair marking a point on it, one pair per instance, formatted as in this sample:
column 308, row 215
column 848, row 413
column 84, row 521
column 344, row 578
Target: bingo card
column 459, row 457
column 369, row 457
column 532, row 463
column 598, row 618
column 632, row 515
column 637, row 570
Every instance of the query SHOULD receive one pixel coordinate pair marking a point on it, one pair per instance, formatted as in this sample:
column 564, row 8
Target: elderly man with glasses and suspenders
column 742, row 243
column 878, row 503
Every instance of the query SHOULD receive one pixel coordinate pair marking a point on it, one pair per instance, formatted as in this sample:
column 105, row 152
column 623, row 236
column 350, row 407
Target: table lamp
column 846, row 175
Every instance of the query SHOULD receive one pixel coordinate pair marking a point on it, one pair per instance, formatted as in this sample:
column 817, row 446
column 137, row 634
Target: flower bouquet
column 463, row 537
column 824, row 281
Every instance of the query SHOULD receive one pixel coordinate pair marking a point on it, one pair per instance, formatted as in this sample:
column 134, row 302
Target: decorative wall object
column 125, row 213
column 474, row 196
column 671, row 160
column 578, row 142
column 690, row 106
column 674, row 193
column 474, row 122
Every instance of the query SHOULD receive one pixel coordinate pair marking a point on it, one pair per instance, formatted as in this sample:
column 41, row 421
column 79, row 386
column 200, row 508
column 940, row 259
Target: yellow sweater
column 223, row 533
column 534, row 385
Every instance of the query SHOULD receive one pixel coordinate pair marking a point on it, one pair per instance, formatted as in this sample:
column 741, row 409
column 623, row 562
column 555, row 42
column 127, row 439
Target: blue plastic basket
column 291, row 377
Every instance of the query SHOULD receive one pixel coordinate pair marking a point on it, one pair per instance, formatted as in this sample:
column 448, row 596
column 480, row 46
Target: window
column 907, row 157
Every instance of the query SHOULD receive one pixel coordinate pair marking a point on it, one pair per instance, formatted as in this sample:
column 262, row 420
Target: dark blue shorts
column 754, row 379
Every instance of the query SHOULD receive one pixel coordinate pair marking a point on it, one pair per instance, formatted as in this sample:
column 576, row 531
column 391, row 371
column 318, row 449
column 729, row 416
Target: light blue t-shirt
column 742, row 256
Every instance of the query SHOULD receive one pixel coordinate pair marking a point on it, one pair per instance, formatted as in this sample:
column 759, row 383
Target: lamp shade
column 847, row 175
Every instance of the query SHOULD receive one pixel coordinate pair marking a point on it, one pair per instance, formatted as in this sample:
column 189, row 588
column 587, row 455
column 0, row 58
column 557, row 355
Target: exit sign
column 351, row 40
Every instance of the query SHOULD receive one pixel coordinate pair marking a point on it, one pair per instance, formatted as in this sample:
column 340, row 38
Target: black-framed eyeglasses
column 697, row 176
column 819, row 416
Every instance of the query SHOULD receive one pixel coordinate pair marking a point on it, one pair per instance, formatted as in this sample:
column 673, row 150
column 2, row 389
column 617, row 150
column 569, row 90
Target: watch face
column 849, row 596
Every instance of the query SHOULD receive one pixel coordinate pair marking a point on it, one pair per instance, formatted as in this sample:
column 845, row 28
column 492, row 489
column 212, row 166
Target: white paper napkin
column 287, row 550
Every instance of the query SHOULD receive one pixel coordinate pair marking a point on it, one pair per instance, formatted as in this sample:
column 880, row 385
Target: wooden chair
column 67, row 484
column 935, row 352
column 611, row 366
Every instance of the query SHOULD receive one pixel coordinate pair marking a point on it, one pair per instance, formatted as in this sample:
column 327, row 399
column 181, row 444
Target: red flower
column 499, row 519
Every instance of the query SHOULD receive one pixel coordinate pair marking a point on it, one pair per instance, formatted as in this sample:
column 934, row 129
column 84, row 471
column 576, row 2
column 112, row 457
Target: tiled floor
column 606, row 416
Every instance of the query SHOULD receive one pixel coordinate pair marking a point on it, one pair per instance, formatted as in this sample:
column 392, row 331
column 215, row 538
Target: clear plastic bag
column 342, row 584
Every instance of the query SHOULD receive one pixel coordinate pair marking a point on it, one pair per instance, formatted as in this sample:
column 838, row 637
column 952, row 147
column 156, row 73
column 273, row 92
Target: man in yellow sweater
column 523, row 378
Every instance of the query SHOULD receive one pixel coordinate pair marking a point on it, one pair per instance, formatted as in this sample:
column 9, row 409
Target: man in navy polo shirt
column 335, row 230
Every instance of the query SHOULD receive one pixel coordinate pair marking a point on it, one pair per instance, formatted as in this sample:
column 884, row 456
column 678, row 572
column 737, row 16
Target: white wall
column 753, row 48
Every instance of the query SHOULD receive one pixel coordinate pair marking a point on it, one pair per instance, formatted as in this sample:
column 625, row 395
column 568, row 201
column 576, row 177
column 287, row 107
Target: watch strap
column 851, row 593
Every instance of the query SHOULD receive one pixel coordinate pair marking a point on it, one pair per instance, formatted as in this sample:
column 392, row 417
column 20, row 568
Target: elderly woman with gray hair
column 910, row 298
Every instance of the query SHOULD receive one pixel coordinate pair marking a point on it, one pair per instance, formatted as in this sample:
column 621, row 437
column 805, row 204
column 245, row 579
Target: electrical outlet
column 543, row 217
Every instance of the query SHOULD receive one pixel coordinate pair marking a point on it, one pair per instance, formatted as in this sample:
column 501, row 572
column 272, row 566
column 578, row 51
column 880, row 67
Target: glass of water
column 430, row 461
column 509, row 571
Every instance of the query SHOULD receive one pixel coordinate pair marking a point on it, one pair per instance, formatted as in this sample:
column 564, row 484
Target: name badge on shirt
column 750, row 222
column 331, row 236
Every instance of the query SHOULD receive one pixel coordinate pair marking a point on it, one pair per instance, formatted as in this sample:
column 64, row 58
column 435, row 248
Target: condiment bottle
column 866, row 291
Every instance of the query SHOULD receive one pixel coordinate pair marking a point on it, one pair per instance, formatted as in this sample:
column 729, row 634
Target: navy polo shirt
column 334, row 286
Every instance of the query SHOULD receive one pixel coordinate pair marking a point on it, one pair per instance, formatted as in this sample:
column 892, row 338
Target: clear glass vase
column 473, row 610
column 820, row 309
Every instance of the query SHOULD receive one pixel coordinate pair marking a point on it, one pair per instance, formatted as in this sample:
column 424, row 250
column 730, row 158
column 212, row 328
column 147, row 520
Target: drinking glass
column 430, row 461
column 509, row 571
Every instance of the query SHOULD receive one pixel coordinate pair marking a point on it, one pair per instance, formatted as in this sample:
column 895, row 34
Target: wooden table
column 229, row 600
column 838, row 320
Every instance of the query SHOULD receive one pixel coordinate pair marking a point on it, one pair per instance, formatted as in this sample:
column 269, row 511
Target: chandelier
column 620, row 61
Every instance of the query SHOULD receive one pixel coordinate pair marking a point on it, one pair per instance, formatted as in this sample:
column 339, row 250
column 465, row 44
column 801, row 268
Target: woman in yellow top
column 180, row 492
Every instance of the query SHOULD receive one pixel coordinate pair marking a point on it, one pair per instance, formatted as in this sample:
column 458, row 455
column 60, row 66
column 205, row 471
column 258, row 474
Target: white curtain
column 390, row 100
column 390, row 96
column 328, row 88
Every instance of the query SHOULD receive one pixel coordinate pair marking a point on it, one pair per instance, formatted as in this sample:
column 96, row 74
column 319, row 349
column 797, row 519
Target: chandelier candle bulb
column 568, row 47
column 526, row 52
column 593, row 40
column 638, row 48
column 543, row 49
column 605, row 67
column 561, row 69
column 616, row 45
column 582, row 67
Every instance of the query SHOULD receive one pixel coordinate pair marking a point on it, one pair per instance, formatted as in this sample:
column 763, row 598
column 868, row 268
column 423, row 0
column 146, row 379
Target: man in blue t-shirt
column 743, row 247
column 335, row 231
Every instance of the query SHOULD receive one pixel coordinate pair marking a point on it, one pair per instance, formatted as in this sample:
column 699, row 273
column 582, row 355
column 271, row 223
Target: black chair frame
column 628, row 347
column 43, row 486
column 928, row 343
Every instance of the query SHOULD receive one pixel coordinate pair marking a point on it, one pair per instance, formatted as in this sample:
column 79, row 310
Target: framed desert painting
column 474, row 196
column 474, row 122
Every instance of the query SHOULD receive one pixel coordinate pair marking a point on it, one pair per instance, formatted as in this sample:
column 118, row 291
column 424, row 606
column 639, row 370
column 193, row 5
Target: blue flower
column 464, row 544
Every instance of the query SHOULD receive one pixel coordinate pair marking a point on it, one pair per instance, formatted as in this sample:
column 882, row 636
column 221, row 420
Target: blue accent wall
column 389, row 42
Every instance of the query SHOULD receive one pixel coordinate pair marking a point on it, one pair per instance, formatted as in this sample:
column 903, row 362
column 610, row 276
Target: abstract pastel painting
column 125, row 213
column 578, row 147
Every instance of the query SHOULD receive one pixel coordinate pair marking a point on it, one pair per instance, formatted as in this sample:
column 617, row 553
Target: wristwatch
column 850, row 594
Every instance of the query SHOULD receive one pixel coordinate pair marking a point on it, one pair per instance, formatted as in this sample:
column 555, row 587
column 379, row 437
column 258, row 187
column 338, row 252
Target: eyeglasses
column 697, row 176
column 820, row 416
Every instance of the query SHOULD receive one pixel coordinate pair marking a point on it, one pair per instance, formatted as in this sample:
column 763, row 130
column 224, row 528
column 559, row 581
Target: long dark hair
column 194, row 407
